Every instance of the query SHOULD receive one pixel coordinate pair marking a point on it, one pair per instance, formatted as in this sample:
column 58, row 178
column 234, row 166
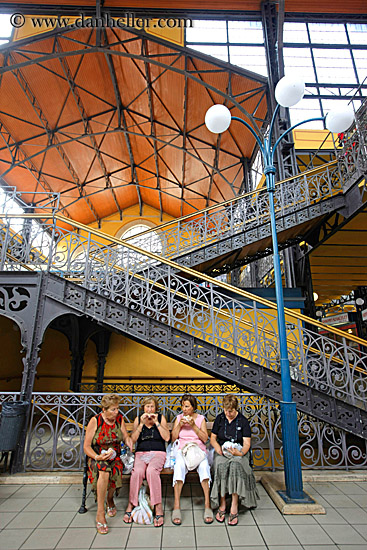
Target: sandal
column 233, row 517
column 128, row 514
column 111, row 512
column 176, row 515
column 157, row 518
column 102, row 528
column 208, row 515
column 221, row 514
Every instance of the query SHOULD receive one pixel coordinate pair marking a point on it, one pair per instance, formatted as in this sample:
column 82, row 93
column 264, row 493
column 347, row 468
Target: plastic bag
column 142, row 513
column 127, row 459
column 228, row 444
column 171, row 455
column 192, row 455
column 210, row 454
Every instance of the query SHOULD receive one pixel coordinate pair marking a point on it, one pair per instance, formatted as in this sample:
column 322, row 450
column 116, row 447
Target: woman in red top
column 102, row 444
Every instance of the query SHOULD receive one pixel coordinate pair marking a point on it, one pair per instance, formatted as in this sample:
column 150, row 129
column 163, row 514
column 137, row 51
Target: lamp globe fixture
column 218, row 119
column 339, row 119
column 289, row 91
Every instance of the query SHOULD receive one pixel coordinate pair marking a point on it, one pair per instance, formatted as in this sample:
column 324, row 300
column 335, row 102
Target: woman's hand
column 128, row 442
column 109, row 455
column 144, row 418
column 190, row 421
column 234, row 451
column 153, row 417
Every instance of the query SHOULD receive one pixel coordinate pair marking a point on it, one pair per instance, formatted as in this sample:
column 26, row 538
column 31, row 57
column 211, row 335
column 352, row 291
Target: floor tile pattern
column 45, row 517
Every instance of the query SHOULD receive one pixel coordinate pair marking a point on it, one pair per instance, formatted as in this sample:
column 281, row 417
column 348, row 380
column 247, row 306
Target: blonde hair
column 109, row 400
column 150, row 399
column 230, row 402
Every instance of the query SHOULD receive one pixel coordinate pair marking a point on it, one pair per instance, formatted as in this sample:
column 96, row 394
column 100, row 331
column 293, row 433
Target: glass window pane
column 295, row 32
column 207, row 31
column 308, row 108
column 360, row 59
column 334, row 66
column 357, row 33
column 250, row 58
column 245, row 31
column 298, row 62
column 220, row 52
column 5, row 26
column 327, row 33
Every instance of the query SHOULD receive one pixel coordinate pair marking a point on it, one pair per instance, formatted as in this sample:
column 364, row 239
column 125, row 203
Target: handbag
column 142, row 513
column 192, row 455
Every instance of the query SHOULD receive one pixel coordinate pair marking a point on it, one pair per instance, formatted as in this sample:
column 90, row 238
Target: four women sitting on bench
column 231, row 437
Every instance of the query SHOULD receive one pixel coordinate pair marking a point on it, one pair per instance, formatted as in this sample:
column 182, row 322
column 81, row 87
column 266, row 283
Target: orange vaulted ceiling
column 112, row 118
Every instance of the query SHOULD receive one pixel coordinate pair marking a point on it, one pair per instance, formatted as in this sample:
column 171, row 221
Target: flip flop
column 111, row 512
column 157, row 518
column 208, row 516
column 221, row 514
column 128, row 514
column 231, row 518
column 102, row 528
column 176, row 515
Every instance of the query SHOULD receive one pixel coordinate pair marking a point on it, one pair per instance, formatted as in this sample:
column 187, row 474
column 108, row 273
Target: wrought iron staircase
column 233, row 233
column 234, row 339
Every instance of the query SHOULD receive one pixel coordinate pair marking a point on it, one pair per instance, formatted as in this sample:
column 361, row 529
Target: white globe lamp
column 289, row 91
column 339, row 119
column 218, row 119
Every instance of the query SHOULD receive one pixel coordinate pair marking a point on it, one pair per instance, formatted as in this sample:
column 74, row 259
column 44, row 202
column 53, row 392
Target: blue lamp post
column 218, row 119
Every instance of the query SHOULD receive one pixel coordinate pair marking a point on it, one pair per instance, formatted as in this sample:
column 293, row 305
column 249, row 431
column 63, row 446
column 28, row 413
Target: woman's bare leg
column 234, row 509
column 102, row 484
column 177, row 489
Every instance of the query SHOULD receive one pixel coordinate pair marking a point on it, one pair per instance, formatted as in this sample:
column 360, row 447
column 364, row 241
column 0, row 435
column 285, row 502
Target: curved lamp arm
column 290, row 130
column 253, row 133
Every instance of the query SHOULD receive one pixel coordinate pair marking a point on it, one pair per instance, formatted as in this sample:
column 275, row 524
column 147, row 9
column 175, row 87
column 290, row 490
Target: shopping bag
column 142, row 513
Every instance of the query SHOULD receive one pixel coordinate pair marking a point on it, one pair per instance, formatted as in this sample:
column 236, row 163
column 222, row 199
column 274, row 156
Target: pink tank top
column 188, row 434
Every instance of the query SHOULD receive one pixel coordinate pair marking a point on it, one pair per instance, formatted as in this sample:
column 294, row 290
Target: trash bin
column 11, row 424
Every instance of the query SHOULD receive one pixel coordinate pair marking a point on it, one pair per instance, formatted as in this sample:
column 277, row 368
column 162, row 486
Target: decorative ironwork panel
column 57, row 425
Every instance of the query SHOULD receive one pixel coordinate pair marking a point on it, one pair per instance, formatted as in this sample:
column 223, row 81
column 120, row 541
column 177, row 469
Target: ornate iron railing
column 352, row 157
column 241, row 214
column 57, row 422
column 218, row 313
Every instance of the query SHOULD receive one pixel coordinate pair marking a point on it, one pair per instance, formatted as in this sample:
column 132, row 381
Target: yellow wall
column 53, row 370
column 11, row 365
column 112, row 224
column 128, row 358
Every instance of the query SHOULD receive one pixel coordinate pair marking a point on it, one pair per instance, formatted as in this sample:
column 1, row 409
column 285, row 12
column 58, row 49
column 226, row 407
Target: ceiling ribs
column 26, row 163
column 184, row 140
column 87, row 127
column 52, row 138
column 152, row 126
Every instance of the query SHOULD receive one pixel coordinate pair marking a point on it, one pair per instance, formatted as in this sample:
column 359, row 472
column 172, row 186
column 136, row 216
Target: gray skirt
column 234, row 475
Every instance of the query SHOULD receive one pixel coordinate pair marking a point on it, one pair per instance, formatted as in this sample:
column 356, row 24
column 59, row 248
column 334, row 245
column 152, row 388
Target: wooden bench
column 165, row 472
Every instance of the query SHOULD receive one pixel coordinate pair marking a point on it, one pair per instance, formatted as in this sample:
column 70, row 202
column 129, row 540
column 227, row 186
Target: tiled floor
column 42, row 517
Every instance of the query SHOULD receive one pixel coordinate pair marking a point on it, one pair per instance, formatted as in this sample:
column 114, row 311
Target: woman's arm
column 162, row 428
column 245, row 447
column 176, row 429
column 214, row 443
column 88, row 449
column 136, row 430
column 125, row 435
column 201, row 432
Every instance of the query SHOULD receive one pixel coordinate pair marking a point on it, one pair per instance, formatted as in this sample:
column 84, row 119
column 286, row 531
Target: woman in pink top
column 190, row 426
